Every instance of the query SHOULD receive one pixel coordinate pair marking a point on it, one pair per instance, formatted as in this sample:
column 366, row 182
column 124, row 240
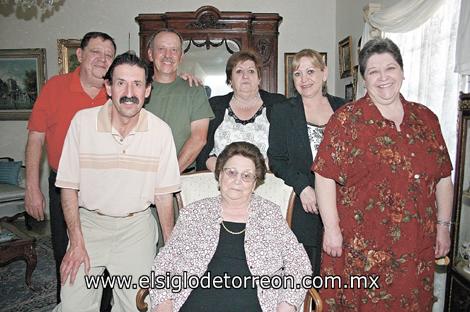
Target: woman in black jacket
column 241, row 115
column 296, row 130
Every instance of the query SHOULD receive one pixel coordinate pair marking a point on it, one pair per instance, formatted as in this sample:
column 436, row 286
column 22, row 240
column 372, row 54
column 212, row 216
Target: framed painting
column 289, row 89
column 67, row 55
column 22, row 75
column 345, row 61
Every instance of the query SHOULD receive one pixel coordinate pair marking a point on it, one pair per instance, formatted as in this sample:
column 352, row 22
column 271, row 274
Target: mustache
column 132, row 99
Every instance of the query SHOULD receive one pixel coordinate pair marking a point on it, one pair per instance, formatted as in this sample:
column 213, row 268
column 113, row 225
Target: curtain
column 429, row 58
column 428, row 51
column 462, row 53
column 403, row 16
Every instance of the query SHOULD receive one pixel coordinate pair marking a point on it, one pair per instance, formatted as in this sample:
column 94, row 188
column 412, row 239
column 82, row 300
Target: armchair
column 199, row 185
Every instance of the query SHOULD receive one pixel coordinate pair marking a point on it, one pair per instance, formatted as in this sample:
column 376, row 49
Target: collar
column 104, row 119
column 371, row 112
column 168, row 84
column 76, row 85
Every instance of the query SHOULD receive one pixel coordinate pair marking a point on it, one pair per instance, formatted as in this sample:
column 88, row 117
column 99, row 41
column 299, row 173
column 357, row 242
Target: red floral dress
column 385, row 193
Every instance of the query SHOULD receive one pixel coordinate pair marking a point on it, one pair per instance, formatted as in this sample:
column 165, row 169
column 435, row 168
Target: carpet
column 15, row 296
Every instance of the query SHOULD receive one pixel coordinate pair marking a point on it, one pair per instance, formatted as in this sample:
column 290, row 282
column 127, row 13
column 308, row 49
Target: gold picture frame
column 345, row 59
column 23, row 74
column 289, row 89
column 67, row 55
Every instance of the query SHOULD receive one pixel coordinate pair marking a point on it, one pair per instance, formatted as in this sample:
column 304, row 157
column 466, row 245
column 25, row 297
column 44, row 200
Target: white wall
column 349, row 22
column 306, row 23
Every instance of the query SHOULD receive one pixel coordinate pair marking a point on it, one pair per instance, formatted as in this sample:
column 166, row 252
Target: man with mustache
column 59, row 100
column 185, row 109
column 117, row 160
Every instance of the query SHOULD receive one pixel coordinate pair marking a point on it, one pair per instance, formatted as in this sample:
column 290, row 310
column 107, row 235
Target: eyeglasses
column 245, row 176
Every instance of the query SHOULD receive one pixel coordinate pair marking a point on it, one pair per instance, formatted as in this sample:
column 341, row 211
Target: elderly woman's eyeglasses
column 246, row 176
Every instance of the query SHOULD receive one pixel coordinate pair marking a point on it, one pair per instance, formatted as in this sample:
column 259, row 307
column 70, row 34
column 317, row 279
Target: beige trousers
column 124, row 246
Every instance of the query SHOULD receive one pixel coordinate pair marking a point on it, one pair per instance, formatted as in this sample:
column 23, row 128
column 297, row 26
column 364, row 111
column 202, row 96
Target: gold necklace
column 232, row 232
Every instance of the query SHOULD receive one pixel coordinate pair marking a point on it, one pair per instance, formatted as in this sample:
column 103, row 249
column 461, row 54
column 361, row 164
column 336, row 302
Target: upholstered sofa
column 12, row 190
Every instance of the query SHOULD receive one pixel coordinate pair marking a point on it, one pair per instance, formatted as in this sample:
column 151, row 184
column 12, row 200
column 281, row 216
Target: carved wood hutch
column 258, row 31
column 458, row 278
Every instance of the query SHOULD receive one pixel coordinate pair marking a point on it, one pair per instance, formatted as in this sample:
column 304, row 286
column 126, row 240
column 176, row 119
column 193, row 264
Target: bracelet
column 447, row 224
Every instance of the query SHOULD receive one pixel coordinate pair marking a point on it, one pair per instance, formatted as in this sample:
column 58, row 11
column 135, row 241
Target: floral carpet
column 15, row 296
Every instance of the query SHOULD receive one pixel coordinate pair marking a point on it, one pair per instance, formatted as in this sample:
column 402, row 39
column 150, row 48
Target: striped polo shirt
column 118, row 175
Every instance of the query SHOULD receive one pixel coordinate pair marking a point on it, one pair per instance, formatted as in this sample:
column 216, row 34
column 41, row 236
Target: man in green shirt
column 185, row 109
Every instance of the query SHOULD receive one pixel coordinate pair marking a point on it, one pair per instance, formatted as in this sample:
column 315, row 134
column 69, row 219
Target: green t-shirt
column 178, row 105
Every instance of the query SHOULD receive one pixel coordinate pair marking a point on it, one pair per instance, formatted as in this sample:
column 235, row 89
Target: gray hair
column 167, row 30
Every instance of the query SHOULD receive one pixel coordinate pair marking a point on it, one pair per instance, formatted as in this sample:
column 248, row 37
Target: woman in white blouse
column 241, row 115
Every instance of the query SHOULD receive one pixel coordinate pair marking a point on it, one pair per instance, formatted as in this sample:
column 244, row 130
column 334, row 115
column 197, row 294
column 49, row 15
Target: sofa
column 12, row 190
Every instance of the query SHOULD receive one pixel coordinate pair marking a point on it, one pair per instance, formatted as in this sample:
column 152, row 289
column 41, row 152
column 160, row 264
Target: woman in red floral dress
column 384, row 192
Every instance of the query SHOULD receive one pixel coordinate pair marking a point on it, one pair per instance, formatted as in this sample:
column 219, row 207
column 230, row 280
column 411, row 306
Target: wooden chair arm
column 140, row 299
column 312, row 295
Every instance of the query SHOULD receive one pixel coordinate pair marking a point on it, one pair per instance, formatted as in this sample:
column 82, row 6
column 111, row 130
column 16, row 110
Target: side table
column 17, row 245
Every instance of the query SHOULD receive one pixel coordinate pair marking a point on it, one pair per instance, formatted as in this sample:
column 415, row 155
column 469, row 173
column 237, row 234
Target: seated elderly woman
column 241, row 115
column 237, row 236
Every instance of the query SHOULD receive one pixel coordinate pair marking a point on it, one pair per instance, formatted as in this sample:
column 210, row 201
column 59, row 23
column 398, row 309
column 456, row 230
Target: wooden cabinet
column 258, row 31
column 458, row 279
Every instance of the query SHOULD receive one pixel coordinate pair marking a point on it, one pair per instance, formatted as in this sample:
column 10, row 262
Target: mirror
column 207, row 26
column 207, row 61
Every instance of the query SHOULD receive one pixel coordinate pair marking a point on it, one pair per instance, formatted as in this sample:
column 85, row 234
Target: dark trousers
column 60, row 239
column 59, row 236
column 314, row 254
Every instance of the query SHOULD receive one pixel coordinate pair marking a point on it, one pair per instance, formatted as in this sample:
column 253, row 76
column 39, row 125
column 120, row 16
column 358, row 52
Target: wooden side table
column 18, row 246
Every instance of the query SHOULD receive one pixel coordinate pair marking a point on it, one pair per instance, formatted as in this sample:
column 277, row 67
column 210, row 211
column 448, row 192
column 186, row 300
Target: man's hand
column 194, row 144
column 34, row 203
column 34, row 199
column 75, row 256
column 191, row 79
column 164, row 204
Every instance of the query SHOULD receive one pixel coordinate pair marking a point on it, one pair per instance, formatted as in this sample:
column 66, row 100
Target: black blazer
column 219, row 104
column 290, row 158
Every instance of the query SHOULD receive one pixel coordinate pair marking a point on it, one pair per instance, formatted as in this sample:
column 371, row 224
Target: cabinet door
column 460, row 300
column 461, row 261
column 458, row 279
